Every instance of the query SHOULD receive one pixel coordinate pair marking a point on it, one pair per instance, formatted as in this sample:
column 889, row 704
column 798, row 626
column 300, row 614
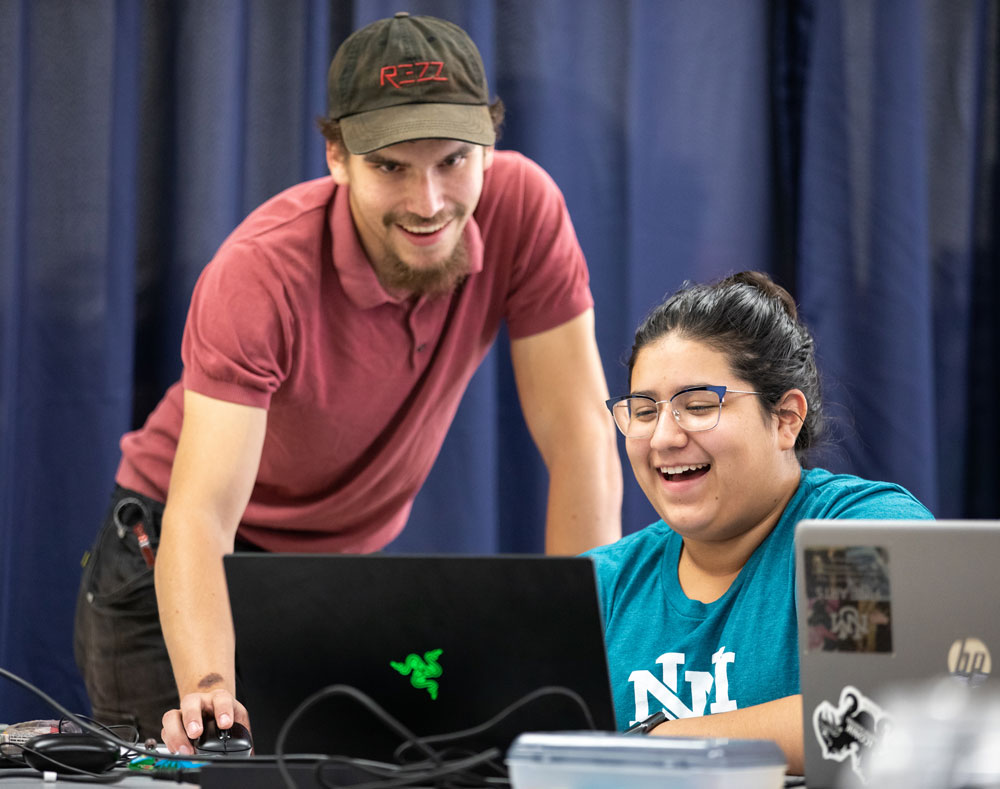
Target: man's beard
column 444, row 277
column 437, row 280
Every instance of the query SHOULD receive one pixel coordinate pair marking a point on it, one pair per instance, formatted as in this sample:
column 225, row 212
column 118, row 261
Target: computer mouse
column 61, row 753
column 234, row 741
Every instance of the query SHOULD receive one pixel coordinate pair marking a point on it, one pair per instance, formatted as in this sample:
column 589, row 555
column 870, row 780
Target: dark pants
column 117, row 640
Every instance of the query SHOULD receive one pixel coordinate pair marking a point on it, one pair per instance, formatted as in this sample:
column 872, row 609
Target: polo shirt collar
column 357, row 277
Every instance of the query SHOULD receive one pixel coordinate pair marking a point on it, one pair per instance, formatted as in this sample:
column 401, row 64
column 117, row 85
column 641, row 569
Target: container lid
column 606, row 749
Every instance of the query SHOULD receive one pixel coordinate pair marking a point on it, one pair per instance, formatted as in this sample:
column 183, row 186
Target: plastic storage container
column 597, row 760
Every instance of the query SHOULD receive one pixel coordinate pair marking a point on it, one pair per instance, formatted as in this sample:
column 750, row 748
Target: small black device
column 646, row 725
column 234, row 741
column 60, row 753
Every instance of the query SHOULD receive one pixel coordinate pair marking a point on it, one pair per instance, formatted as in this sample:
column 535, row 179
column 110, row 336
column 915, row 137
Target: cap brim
column 369, row 131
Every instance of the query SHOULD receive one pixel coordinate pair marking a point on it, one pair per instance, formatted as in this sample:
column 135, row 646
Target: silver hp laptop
column 880, row 604
column 440, row 643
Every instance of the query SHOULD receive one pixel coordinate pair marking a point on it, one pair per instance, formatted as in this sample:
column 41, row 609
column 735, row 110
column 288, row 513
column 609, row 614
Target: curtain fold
column 847, row 147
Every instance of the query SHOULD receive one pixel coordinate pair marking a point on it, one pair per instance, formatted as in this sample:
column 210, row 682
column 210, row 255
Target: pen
column 646, row 724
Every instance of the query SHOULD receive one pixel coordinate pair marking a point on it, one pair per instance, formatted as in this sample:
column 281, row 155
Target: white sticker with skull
column 850, row 730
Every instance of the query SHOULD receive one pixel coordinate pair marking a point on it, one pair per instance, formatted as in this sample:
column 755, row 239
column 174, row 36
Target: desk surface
column 235, row 774
column 26, row 780
column 29, row 779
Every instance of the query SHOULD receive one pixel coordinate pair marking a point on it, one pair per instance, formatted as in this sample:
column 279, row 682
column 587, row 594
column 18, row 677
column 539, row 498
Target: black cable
column 547, row 690
column 357, row 695
column 187, row 773
column 453, row 754
column 72, row 771
column 373, row 768
column 416, row 774
column 88, row 778
column 130, row 747
column 414, row 771
column 107, row 728
column 180, row 775
column 107, row 778
column 87, row 727
column 389, row 775
column 445, row 769
column 17, row 772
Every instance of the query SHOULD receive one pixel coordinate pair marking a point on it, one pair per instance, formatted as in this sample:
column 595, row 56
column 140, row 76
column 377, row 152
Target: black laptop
column 441, row 644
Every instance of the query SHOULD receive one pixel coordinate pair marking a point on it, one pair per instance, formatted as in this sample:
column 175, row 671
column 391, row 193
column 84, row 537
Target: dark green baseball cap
column 409, row 78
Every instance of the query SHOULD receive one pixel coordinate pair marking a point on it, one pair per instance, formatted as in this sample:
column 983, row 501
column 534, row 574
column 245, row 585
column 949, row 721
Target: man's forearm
column 585, row 499
column 779, row 720
column 194, row 610
column 561, row 385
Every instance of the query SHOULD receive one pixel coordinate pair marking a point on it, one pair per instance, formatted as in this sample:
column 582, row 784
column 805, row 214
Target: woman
column 699, row 607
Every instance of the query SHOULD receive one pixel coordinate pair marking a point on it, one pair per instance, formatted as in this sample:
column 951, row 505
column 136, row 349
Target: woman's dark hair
column 754, row 322
column 330, row 128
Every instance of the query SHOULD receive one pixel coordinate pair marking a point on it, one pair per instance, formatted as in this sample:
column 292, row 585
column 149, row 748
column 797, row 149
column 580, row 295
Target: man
column 326, row 350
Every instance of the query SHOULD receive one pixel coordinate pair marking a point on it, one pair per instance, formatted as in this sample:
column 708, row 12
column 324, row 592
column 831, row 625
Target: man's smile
column 424, row 235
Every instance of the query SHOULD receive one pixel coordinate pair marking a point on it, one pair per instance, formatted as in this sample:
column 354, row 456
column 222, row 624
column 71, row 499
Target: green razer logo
column 422, row 670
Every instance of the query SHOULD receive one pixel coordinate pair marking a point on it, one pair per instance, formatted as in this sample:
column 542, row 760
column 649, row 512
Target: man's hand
column 182, row 727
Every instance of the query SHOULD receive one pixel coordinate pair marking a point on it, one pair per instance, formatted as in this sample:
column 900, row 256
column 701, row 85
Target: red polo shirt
column 360, row 387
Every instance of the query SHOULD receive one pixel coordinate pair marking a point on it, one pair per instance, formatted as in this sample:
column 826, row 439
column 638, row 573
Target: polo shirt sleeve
column 549, row 282
column 237, row 339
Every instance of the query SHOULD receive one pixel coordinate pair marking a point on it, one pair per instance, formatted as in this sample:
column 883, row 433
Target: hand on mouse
column 234, row 741
column 182, row 727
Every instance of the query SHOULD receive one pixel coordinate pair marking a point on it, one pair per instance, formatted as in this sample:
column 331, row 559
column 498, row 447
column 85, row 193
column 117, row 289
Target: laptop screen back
column 441, row 643
column 882, row 604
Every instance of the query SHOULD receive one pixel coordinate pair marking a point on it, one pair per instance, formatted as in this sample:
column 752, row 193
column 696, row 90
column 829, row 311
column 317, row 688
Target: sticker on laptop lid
column 851, row 730
column 848, row 599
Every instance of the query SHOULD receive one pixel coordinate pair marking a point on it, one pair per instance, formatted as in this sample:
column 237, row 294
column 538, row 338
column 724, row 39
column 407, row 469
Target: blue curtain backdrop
column 849, row 147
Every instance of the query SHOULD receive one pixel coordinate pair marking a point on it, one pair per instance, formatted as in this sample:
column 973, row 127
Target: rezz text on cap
column 409, row 78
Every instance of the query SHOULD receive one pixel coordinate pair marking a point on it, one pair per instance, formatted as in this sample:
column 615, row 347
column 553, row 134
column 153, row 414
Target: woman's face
column 739, row 474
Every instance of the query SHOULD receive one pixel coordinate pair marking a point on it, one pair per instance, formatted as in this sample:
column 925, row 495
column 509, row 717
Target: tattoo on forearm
column 208, row 680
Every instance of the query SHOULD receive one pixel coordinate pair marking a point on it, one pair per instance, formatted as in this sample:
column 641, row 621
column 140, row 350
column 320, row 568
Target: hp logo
column 969, row 660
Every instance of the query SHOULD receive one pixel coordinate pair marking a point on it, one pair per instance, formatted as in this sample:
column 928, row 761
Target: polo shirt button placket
column 418, row 346
column 417, row 350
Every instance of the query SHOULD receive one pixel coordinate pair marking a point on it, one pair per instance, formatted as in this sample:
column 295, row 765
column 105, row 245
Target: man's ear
column 336, row 159
column 791, row 412
column 487, row 157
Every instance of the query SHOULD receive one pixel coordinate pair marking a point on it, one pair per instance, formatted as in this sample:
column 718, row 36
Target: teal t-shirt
column 666, row 651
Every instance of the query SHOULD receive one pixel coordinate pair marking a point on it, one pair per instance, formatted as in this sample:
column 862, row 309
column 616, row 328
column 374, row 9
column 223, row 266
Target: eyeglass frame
column 720, row 392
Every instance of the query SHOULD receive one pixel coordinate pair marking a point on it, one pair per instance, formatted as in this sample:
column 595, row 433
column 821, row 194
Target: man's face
column 410, row 203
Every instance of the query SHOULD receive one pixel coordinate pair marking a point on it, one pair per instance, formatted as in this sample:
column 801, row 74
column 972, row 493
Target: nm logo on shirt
column 700, row 685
